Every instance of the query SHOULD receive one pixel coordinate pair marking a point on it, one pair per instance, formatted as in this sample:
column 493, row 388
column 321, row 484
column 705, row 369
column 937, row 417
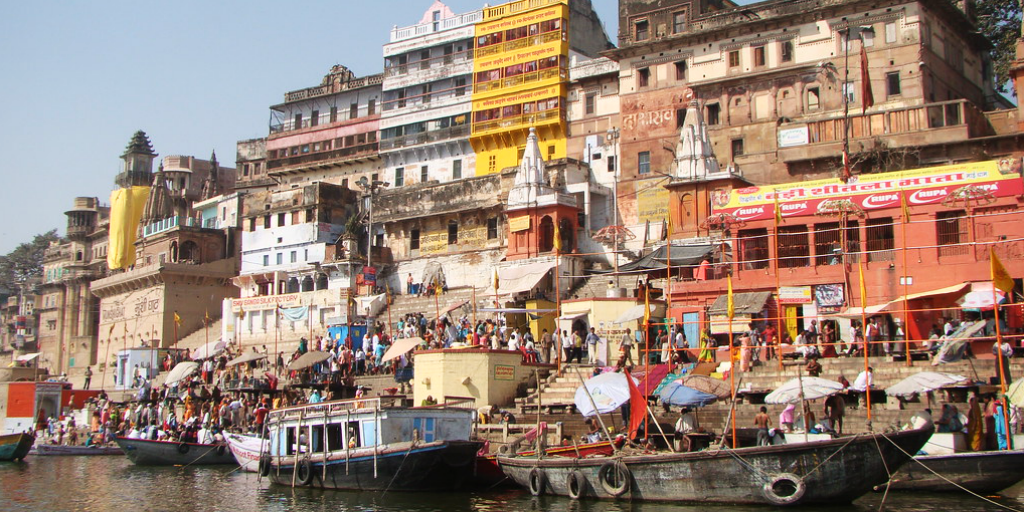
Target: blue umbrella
column 679, row 395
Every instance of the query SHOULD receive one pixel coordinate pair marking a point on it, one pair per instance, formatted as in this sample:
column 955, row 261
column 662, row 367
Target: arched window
column 546, row 234
column 174, row 252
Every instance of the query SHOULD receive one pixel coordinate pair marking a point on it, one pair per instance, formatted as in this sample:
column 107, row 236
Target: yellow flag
column 903, row 206
column 730, row 307
column 863, row 289
column 647, row 305
column 1000, row 277
column 558, row 238
column 778, row 211
column 177, row 319
column 495, row 280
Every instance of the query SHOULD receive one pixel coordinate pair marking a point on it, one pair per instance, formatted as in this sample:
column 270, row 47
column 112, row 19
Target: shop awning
column 949, row 293
column 569, row 317
column 26, row 357
column 634, row 313
column 514, row 310
column 857, row 312
column 746, row 303
column 682, row 256
column 523, row 278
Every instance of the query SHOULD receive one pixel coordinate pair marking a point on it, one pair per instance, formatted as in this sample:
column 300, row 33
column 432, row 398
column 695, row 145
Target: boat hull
column 827, row 472
column 440, row 466
column 165, row 453
column 489, row 474
column 54, row 450
column 15, row 446
column 247, row 450
column 980, row 472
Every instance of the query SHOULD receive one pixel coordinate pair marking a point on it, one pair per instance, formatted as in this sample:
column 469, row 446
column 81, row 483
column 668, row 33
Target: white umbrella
column 813, row 388
column 922, row 383
column 608, row 390
column 247, row 357
column 211, row 349
column 181, row 371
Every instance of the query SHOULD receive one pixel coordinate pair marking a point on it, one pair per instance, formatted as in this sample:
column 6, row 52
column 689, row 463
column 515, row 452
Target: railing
column 560, row 72
column 461, row 20
column 518, row 44
column 323, row 90
column 428, row 137
column 507, row 123
column 442, row 60
column 904, row 120
column 168, row 224
column 349, row 152
column 492, row 13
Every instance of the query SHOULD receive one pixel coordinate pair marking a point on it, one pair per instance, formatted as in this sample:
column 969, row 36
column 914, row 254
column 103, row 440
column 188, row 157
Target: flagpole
column 277, row 336
column 995, row 267
column 906, row 284
column 864, row 335
column 778, row 285
column 729, row 313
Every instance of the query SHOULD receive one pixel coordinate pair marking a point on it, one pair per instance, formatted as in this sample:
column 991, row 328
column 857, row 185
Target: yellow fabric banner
column 1000, row 277
column 126, row 207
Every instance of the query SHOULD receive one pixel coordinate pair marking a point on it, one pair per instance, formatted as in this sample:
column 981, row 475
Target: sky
column 80, row 77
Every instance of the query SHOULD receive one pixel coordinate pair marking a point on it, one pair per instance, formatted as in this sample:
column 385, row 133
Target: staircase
column 402, row 305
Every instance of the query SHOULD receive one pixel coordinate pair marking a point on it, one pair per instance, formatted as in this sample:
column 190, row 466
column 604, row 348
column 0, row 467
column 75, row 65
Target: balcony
column 500, row 11
column 323, row 157
column 324, row 90
column 461, row 20
column 519, row 44
column 429, row 137
column 558, row 74
column 462, row 57
column 520, row 121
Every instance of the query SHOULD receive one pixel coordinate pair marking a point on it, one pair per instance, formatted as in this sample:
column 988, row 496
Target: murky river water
column 114, row 484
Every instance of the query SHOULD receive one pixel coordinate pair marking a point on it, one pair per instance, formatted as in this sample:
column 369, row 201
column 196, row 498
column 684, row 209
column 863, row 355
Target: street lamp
column 859, row 33
column 370, row 188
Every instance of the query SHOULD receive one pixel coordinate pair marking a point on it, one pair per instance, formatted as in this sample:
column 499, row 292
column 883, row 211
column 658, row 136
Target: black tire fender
column 576, row 483
column 221, row 449
column 615, row 478
column 304, row 472
column 264, row 465
column 784, row 489
column 183, row 448
column 538, row 479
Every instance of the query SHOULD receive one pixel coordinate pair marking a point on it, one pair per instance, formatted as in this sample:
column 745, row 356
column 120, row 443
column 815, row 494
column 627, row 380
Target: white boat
column 247, row 450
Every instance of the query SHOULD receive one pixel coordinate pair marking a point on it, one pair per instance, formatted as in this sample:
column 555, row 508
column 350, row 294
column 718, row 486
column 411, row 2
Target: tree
column 25, row 261
column 1000, row 21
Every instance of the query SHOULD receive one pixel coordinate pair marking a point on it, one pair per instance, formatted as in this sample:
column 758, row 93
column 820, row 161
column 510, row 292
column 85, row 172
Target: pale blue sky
column 79, row 77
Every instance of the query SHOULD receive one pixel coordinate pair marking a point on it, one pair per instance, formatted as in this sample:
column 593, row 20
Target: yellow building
column 520, row 74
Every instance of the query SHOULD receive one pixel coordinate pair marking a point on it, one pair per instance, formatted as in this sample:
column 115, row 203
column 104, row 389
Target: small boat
column 247, row 450
column 371, row 444
column 985, row 472
column 489, row 474
column 58, row 450
column 145, row 452
column 826, row 472
column 15, row 446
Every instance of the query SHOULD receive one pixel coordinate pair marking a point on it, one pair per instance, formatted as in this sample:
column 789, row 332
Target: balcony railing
column 461, row 20
column 905, row 120
column 561, row 73
column 324, row 90
column 509, row 123
column 500, row 11
column 429, row 137
column 350, row 152
column 439, row 61
column 518, row 44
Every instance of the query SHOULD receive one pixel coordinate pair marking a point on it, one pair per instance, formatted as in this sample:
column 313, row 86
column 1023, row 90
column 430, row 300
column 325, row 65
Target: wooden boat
column 371, row 444
column 144, row 452
column 489, row 473
column 15, row 446
column 247, row 450
column 827, row 472
column 61, row 450
column 985, row 472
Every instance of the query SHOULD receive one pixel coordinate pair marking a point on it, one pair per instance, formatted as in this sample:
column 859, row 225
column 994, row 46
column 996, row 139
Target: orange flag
column 637, row 406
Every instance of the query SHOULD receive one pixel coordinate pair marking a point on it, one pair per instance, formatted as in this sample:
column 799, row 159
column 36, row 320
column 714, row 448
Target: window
column 890, row 33
column 245, row 170
column 414, row 240
column 678, row 22
column 460, row 86
column 734, row 58
column 867, row 38
column 892, row 84
column 371, row 107
column 737, row 148
column 880, row 239
column 754, row 248
column 314, row 118
column 793, row 246
column 298, row 121
column 281, row 219
column 252, row 224
column 492, row 228
column 423, row 174
column 641, row 30
column 399, row 177
column 787, row 51
column 828, row 245
column 589, row 101
column 680, row 117
column 643, row 162
column 280, row 258
column 849, row 92
column 643, row 77
column 310, row 216
column 453, row 232
column 457, row 169
column 713, row 110
column 680, row 70
column 334, row 114
column 294, row 256
column 353, row 111
column 611, row 163
column 266, row 221
column 759, row 56
column 950, row 232
column 266, row 260
column 813, row 98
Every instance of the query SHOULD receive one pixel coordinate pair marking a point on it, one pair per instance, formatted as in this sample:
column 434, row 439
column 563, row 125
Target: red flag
column 865, row 79
column 637, row 406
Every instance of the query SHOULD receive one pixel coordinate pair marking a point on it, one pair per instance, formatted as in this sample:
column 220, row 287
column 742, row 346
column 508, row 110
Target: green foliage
column 1000, row 21
column 25, row 261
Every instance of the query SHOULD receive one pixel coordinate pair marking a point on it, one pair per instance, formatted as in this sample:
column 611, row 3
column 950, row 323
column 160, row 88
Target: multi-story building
column 428, row 77
column 779, row 82
column 327, row 133
column 251, row 165
column 521, row 63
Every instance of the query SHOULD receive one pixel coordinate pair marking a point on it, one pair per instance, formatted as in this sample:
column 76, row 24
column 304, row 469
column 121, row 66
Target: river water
column 115, row 484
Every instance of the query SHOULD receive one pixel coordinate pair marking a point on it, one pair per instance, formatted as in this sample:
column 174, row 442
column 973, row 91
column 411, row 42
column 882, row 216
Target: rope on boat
column 399, row 470
column 765, row 477
column 888, row 475
column 841, row 448
column 199, row 457
column 962, row 488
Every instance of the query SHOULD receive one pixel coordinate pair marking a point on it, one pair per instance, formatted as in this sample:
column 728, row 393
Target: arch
column 567, row 232
column 321, row 281
column 174, row 251
column 686, row 207
column 307, row 284
column 293, row 285
column 189, row 251
column 545, row 234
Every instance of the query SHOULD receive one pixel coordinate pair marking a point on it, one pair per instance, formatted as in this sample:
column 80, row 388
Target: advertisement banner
column 795, row 295
column 652, row 204
column 829, row 298
column 263, row 302
column 517, row 224
column 873, row 191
